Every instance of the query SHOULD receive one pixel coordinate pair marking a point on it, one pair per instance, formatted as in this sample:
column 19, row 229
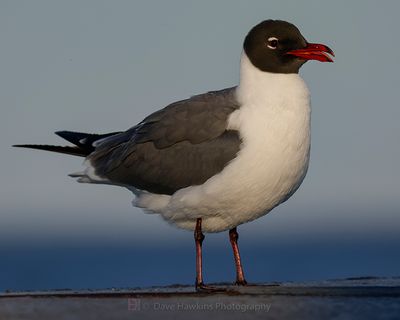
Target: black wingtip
column 83, row 140
column 83, row 143
column 66, row 133
column 60, row 133
column 20, row 146
column 71, row 136
column 79, row 139
column 74, row 151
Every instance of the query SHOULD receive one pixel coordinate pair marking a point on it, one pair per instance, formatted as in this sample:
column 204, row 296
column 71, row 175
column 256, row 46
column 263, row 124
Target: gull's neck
column 256, row 84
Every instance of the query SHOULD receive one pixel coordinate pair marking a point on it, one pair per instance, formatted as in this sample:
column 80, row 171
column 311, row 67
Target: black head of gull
column 278, row 46
column 220, row 159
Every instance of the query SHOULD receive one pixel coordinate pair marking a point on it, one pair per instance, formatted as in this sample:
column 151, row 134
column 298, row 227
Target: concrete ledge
column 362, row 298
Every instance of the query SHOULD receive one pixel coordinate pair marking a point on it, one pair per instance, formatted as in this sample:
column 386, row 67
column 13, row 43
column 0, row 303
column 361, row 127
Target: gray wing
column 181, row 145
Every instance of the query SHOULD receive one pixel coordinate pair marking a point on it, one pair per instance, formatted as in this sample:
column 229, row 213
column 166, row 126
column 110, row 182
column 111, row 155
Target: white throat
column 260, row 87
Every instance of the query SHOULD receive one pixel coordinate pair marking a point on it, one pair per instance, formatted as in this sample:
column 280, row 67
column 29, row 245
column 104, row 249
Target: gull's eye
column 272, row 43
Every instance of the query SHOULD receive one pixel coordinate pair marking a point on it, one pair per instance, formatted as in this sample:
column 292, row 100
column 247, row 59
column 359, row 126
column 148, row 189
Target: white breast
column 274, row 124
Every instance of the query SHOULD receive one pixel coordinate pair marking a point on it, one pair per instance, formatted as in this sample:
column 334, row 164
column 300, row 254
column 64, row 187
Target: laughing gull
column 219, row 159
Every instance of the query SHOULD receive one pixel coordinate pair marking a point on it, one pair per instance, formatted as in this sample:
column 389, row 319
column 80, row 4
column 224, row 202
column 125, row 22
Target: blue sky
column 100, row 66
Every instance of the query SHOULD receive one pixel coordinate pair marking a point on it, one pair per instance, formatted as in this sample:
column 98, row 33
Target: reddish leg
column 233, row 237
column 198, row 238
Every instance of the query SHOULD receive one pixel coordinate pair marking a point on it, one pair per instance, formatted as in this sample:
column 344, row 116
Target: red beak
column 314, row 51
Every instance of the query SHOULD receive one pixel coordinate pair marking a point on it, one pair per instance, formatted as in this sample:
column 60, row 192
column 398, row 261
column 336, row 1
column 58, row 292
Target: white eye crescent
column 272, row 43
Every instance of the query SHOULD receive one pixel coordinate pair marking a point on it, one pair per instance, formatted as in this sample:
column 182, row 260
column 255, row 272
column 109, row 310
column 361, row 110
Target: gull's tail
column 84, row 143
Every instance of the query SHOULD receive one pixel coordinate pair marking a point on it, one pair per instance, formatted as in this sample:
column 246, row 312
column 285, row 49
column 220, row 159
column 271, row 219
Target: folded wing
column 181, row 145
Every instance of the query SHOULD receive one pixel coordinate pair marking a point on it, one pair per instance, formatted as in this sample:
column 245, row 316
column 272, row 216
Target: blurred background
column 100, row 66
